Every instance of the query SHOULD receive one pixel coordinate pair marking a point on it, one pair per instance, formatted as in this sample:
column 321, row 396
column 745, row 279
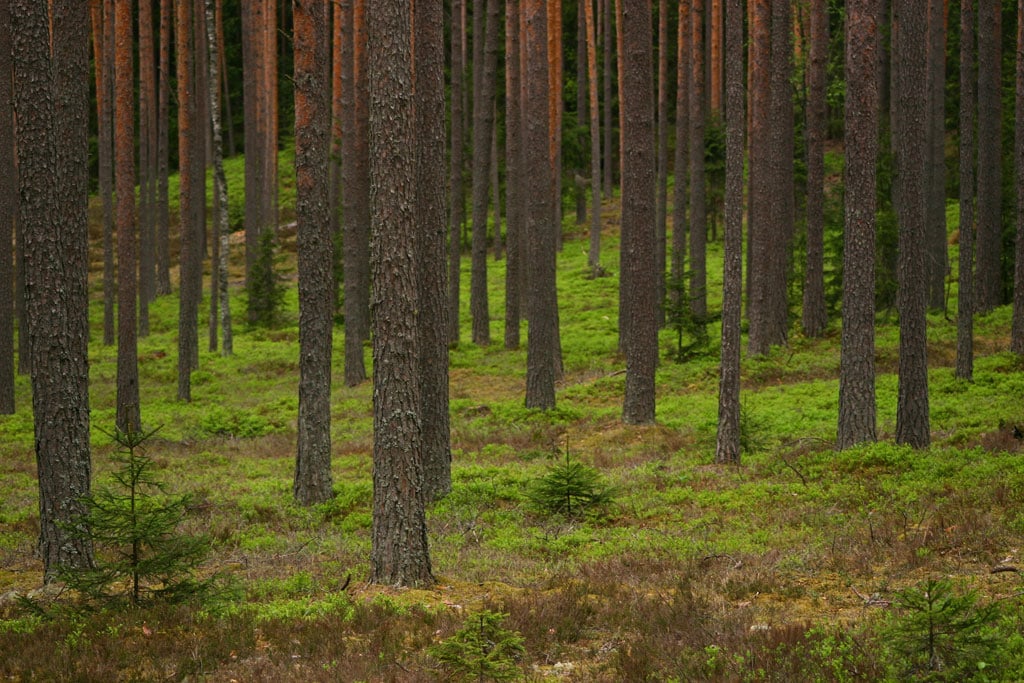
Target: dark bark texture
column 542, row 306
column 814, row 317
column 968, row 227
column 53, row 188
column 638, row 253
column 128, row 411
column 988, row 276
column 399, row 554
column 727, row 448
column 355, row 189
column 431, row 209
column 8, row 212
column 315, row 244
column 514, row 225
column 857, row 354
column 1017, row 330
column 483, row 129
column 909, row 133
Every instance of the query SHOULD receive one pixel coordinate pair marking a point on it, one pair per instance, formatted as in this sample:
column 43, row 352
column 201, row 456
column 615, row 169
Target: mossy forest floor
column 787, row 567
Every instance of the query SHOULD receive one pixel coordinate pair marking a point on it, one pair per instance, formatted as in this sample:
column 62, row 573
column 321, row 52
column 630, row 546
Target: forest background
column 871, row 151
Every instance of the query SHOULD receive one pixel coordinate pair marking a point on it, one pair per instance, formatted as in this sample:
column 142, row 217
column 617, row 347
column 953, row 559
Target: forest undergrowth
column 802, row 563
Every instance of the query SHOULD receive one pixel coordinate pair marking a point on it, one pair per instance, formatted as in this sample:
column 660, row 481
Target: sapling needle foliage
column 134, row 524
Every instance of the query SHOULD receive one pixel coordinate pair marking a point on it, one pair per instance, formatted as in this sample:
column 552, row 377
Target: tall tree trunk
column 555, row 105
column 698, row 212
column 594, row 255
column 313, row 482
column 1017, row 330
column 253, row 63
column 221, row 229
column 758, row 220
column 609, row 153
column 355, row 190
column 542, row 306
column 857, row 353
column 483, row 127
column 103, row 23
column 639, row 248
column 229, row 127
column 814, row 314
column 936, row 259
column 8, row 212
column 189, row 187
column 147, row 168
column 662, row 193
column 51, row 101
column 968, row 157
column 495, row 184
column 428, row 58
column 399, row 554
column 514, row 178
column 727, row 448
column 781, row 202
column 128, row 414
column 909, row 132
column 989, row 291
column 682, row 151
column 163, row 218
column 458, row 148
column 715, row 29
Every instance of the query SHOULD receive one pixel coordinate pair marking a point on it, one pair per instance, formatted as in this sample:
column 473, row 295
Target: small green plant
column 482, row 650
column 937, row 634
column 265, row 289
column 570, row 488
column 691, row 331
column 753, row 428
column 134, row 524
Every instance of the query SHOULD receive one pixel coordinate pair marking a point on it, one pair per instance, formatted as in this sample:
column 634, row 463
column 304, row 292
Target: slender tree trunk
column 51, row 103
column 662, row 193
column 313, row 482
column 355, row 192
column 758, row 221
column 609, row 153
column 399, row 554
column 483, row 127
column 8, row 211
column 128, row 414
column 989, row 291
column 163, row 218
column 188, row 340
column 431, row 210
column 253, row 65
column 147, row 167
column 514, row 177
column 222, row 229
column 716, row 29
column 682, row 151
column 698, row 212
column 909, row 132
column 814, row 314
column 594, row 255
column 458, row 200
column 968, row 157
column 556, row 103
column 857, row 354
column 936, row 259
column 727, row 449
column 1017, row 330
column 639, row 247
column 495, row 182
column 540, row 250
column 103, row 47
column 229, row 127
column 781, row 202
